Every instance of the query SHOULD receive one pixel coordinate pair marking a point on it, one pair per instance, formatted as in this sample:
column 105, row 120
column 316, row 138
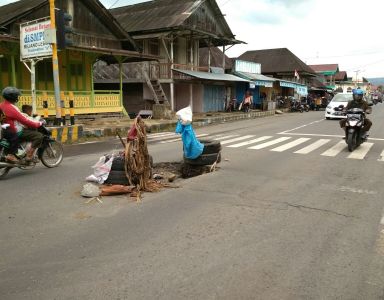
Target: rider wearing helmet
column 15, row 119
column 358, row 102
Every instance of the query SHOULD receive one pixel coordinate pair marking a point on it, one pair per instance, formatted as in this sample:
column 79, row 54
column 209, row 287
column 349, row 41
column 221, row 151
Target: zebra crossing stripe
column 224, row 137
column 270, row 143
column 160, row 134
column 340, row 146
column 290, row 145
column 260, row 139
column 361, row 151
column 237, row 139
column 381, row 156
column 313, row 146
column 179, row 139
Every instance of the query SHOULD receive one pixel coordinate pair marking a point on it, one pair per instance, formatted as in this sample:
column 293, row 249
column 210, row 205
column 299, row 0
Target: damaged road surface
column 267, row 225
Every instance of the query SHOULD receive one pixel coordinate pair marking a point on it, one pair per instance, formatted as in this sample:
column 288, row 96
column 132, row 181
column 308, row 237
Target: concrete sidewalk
column 110, row 126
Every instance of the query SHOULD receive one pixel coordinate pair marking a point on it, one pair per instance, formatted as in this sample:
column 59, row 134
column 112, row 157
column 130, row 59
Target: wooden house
column 176, row 31
column 97, row 36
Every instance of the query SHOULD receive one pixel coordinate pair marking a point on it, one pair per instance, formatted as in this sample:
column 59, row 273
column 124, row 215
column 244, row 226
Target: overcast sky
column 344, row 32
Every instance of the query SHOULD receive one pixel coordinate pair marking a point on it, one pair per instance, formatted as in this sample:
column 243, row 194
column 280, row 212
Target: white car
column 337, row 100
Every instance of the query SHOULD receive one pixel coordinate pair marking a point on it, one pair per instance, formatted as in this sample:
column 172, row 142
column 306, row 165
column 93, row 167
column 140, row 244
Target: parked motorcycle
column 50, row 154
column 297, row 106
column 354, row 134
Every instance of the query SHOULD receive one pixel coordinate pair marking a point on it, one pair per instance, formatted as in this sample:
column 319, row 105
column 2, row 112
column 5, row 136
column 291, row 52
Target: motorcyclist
column 15, row 119
column 358, row 102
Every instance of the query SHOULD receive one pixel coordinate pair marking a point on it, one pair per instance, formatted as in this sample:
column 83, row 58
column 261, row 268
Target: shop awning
column 211, row 76
column 257, row 79
column 301, row 89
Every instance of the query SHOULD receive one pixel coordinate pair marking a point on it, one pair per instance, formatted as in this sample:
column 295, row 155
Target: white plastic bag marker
column 185, row 115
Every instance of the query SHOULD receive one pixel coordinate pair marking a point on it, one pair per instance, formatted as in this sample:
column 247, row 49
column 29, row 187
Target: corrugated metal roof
column 252, row 76
column 211, row 76
column 162, row 15
column 16, row 9
column 154, row 14
column 21, row 9
column 276, row 61
column 325, row 68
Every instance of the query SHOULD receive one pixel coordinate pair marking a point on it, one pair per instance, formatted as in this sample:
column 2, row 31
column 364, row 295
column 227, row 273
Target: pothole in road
column 170, row 171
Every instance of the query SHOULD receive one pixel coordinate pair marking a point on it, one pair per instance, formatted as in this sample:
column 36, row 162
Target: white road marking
column 267, row 144
column 381, row 156
column 340, row 146
column 325, row 135
column 358, row 191
column 314, row 134
column 361, row 151
column 160, row 134
column 290, row 145
column 313, row 146
column 260, row 139
column 237, row 139
column 302, row 126
column 179, row 139
column 225, row 137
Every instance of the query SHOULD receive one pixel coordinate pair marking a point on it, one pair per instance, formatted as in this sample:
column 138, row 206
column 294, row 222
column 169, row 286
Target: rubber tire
column 210, row 146
column 350, row 141
column 117, row 177
column 4, row 171
column 204, row 159
column 118, row 163
column 60, row 149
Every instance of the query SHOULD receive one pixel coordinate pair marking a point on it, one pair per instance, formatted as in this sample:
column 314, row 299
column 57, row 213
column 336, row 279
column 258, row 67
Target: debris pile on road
column 129, row 171
column 132, row 171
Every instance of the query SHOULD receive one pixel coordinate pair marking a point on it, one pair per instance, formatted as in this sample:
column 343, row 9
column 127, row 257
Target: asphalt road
column 298, row 218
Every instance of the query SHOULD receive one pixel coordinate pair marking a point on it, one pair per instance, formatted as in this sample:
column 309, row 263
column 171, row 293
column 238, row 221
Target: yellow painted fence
column 84, row 102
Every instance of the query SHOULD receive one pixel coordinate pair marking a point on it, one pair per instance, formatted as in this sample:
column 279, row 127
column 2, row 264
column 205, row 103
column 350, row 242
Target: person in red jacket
column 16, row 119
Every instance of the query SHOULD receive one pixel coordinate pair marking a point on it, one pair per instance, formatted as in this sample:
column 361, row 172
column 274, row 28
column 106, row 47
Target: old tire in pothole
column 117, row 177
column 204, row 159
column 210, row 146
column 118, row 163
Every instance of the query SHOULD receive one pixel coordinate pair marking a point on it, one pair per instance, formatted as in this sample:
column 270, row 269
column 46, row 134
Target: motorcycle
column 296, row 106
column 50, row 153
column 354, row 134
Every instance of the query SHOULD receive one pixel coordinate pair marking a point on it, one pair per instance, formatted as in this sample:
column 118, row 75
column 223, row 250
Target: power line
column 114, row 4
column 224, row 3
column 348, row 55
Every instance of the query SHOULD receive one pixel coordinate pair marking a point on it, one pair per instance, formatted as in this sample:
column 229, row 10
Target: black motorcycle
column 50, row 153
column 354, row 133
column 297, row 106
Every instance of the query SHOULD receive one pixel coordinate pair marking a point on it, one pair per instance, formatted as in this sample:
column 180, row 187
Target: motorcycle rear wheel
column 4, row 171
column 52, row 155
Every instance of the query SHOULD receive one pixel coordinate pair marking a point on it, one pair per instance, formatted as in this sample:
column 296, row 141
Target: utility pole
column 55, row 66
column 357, row 72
